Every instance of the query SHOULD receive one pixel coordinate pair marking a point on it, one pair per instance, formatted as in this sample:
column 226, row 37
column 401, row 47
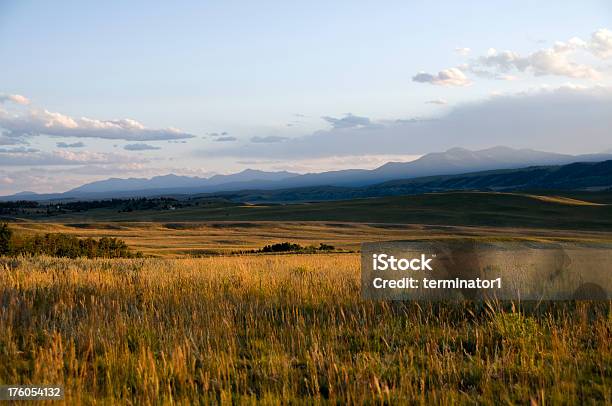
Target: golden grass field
column 194, row 322
column 193, row 238
column 283, row 329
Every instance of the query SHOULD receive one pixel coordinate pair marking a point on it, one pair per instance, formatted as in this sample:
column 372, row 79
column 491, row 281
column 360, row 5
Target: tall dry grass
column 283, row 329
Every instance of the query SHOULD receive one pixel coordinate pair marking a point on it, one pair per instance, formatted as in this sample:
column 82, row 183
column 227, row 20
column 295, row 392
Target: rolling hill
column 490, row 209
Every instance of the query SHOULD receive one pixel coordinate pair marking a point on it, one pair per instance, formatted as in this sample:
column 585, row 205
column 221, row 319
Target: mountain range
column 452, row 162
column 585, row 176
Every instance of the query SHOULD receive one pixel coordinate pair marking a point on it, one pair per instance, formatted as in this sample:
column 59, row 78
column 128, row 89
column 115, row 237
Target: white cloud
column 558, row 60
column 14, row 98
column 446, row 77
column 218, row 134
column 437, row 101
column 32, row 122
column 226, row 139
column 68, row 158
column 6, row 140
column 71, row 145
column 61, row 178
column 555, row 60
column 268, row 139
column 332, row 163
column 6, row 180
column 18, row 150
column 348, row 121
column 551, row 61
column 140, row 147
column 567, row 119
column 601, row 43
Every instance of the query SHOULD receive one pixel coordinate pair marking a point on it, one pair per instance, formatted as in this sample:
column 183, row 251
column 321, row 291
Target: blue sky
column 207, row 87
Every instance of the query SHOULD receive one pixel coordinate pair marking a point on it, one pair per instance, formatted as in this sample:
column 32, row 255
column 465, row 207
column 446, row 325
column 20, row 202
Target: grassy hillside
column 459, row 208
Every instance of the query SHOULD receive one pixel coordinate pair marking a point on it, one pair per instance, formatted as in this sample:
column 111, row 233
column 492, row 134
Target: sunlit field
column 302, row 203
column 283, row 329
column 203, row 238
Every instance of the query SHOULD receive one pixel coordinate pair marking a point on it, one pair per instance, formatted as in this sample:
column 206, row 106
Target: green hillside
column 456, row 208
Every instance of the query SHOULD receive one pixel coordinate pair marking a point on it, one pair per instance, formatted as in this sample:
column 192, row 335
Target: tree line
column 23, row 207
column 291, row 247
column 62, row 245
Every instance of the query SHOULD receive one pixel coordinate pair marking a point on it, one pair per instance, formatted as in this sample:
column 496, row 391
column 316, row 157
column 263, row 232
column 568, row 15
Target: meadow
column 197, row 321
column 284, row 329
column 550, row 210
column 180, row 239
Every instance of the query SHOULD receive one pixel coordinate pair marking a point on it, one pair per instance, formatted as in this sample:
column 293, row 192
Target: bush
column 6, row 235
column 282, row 247
column 62, row 245
column 291, row 247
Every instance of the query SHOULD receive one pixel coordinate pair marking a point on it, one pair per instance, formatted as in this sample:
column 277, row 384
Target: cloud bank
column 349, row 121
column 446, row 77
column 140, row 147
column 437, row 101
column 226, row 139
column 18, row 126
column 70, row 145
column 558, row 60
column 32, row 157
column 14, row 98
column 550, row 61
column 268, row 139
column 567, row 119
column 463, row 51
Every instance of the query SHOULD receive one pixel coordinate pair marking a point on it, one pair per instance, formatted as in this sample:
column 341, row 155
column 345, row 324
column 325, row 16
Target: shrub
column 291, row 247
column 6, row 235
column 282, row 247
column 62, row 245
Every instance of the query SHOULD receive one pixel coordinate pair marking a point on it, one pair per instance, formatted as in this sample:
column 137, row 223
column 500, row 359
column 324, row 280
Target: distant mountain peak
column 502, row 148
column 453, row 150
column 167, row 176
column 172, row 182
column 26, row 193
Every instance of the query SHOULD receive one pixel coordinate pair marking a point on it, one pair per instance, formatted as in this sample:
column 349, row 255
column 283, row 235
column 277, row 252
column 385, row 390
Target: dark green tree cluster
column 62, row 245
column 282, row 247
column 18, row 207
column 121, row 205
column 291, row 247
column 6, row 239
column 163, row 203
column 19, row 204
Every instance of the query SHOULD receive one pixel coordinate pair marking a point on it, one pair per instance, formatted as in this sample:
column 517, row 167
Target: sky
column 93, row 90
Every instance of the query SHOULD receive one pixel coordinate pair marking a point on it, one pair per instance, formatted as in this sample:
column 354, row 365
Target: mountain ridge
column 451, row 162
column 575, row 176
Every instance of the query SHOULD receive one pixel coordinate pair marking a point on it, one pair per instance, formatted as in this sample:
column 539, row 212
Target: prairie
column 586, row 211
column 283, row 329
column 197, row 321
column 201, row 238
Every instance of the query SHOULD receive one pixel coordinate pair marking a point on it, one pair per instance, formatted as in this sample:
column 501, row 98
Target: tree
column 6, row 235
